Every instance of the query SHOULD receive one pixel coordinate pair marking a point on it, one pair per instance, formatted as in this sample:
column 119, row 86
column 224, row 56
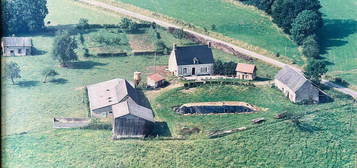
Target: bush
column 179, row 33
column 224, row 68
column 311, row 47
column 83, row 24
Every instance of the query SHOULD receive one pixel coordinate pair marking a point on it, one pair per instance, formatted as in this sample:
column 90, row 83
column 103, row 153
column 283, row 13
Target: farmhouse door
column 193, row 71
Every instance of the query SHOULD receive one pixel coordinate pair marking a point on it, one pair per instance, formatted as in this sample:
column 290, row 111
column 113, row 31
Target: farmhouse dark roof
column 185, row 55
column 17, row 41
column 292, row 79
column 156, row 77
column 110, row 92
column 131, row 107
column 246, row 68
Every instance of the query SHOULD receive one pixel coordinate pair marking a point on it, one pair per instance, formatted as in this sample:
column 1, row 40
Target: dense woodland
column 23, row 16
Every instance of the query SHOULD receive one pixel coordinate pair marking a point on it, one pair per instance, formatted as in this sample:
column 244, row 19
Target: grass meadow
column 234, row 21
column 339, row 38
column 326, row 137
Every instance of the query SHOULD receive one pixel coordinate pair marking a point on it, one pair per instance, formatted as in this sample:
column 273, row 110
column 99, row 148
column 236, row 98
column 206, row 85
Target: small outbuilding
column 246, row 71
column 131, row 120
column 295, row 86
column 155, row 80
column 16, row 46
column 191, row 60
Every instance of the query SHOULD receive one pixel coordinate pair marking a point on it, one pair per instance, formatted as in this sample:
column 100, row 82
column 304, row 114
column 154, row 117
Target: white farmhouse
column 191, row 60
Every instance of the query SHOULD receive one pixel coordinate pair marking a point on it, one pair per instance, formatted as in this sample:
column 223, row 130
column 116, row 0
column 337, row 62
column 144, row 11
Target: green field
column 231, row 20
column 326, row 137
column 339, row 38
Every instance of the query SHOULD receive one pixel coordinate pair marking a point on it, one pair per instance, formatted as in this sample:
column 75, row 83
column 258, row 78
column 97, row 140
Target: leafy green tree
column 315, row 69
column 83, row 24
column 213, row 27
column 284, row 12
column 305, row 24
column 47, row 73
column 12, row 71
column 23, row 16
column 128, row 25
column 311, row 47
column 64, row 48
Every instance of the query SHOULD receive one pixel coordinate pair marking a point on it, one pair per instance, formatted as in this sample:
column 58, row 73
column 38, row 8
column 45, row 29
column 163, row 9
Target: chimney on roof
column 174, row 46
column 209, row 44
column 137, row 78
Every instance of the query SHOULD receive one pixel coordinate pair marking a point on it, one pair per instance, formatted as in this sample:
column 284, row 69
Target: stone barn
column 246, row 71
column 131, row 120
column 102, row 96
column 191, row 60
column 155, row 80
column 295, row 86
column 16, row 46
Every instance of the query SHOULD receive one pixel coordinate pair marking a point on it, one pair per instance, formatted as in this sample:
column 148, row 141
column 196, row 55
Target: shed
column 191, row 60
column 16, row 46
column 131, row 120
column 102, row 96
column 295, row 86
column 155, row 80
column 246, row 71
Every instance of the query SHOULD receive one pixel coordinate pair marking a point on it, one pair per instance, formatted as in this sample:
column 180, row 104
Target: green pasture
column 231, row 20
column 339, row 38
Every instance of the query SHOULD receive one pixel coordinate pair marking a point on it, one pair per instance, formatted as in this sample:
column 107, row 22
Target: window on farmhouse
column 184, row 70
column 204, row 69
column 19, row 51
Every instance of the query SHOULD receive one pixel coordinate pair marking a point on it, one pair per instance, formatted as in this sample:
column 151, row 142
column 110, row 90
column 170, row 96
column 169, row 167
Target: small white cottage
column 191, row 60
column 16, row 46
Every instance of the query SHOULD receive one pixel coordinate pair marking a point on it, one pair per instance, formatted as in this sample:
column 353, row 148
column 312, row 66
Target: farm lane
column 239, row 49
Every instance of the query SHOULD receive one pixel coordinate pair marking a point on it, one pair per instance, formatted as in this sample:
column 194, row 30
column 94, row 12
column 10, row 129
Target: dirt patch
column 79, row 88
column 190, row 90
column 140, row 42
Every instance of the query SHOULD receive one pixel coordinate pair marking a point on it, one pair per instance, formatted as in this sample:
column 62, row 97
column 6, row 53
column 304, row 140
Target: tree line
column 23, row 16
column 301, row 19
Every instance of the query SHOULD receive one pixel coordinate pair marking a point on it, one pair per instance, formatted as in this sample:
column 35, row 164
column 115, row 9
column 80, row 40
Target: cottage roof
column 292, row 79
column 110, row 92
column 156, row 77
column 246, row 68
column 130, row 107
column 17, row 41
column 187, row 55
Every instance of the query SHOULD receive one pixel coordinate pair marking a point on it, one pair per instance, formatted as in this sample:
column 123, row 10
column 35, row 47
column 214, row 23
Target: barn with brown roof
column 155, row 80
column 246, row 71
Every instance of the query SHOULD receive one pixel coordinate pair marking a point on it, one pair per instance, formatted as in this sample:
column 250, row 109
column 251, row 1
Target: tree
column 218, row 67
column 64, row 48
column 20, row 16
column 311, row 47
column 48, row 72
column 213, row 27
column 264, row 5
column 128, row 25
column 12, row 71
column 83, row 24
column 305, row 24
column 315, row 69
column 284, row 12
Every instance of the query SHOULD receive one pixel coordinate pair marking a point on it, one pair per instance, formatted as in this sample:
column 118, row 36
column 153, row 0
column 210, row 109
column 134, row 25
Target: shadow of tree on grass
column 25, row 84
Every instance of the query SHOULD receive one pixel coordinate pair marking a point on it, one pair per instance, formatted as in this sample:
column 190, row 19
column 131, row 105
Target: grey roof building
column 16, row 46
column 118, row 99
column 295, row 86
column 191, row 60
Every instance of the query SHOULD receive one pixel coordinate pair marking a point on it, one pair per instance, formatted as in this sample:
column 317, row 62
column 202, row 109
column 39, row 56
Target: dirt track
column 241, row 50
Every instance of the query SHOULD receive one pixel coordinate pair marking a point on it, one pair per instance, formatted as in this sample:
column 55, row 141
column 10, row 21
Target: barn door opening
column 193, row 71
